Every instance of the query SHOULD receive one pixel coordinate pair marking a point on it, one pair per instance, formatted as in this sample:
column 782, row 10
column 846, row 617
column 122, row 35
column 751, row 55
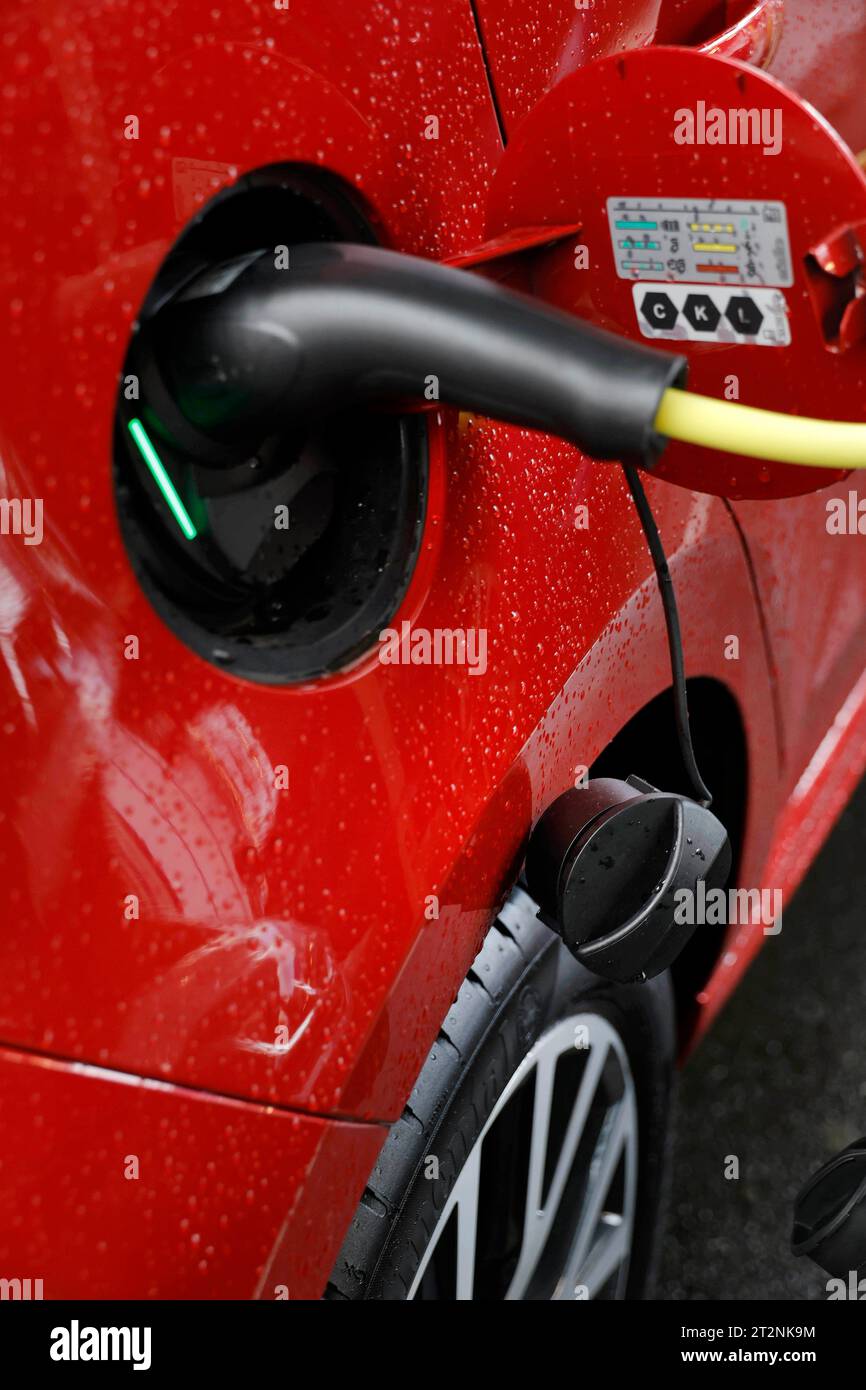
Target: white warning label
column 709, row 240
column 712, row 314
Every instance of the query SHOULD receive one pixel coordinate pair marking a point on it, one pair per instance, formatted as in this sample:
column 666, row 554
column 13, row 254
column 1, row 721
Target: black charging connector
column 257, row 343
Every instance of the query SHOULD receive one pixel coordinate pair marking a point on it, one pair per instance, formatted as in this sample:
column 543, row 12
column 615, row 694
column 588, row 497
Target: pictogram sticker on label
column 712, row 314
column 706, row 240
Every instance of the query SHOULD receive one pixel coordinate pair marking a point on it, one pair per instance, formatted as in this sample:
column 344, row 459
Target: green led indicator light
column 162, row 480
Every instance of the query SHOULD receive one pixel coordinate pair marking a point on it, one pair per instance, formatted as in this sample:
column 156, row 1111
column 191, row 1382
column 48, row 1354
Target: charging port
column 285, row 565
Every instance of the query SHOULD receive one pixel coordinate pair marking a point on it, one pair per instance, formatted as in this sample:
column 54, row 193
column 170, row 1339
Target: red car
column 278, row 1018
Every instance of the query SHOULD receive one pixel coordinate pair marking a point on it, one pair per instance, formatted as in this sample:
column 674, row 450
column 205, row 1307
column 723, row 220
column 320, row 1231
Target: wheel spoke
column 608, row 1151
column 463, row 1196
column 467, row 1223
column 534, row 1224
column 607, row 1254
column 539, row 1218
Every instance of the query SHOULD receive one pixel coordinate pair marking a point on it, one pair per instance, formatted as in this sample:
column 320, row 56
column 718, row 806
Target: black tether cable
column 675, row 641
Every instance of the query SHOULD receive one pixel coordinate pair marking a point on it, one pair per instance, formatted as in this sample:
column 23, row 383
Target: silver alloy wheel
column 579, row 1180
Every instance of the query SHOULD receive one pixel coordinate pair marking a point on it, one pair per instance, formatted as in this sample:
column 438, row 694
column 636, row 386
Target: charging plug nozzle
column 246, row 347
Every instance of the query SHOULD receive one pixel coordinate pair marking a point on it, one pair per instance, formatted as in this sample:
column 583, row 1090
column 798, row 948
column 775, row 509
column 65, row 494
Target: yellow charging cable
column 761, row 434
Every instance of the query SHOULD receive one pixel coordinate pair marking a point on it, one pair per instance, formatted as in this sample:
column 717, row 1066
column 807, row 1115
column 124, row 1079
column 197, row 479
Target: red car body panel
column 206, row 1209
column 306, row 912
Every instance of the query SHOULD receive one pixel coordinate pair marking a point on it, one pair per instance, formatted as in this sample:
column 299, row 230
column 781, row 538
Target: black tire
column 522, row 982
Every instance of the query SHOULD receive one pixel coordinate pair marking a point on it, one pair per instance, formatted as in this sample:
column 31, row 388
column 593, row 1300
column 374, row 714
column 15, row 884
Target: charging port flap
column 702, row 189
